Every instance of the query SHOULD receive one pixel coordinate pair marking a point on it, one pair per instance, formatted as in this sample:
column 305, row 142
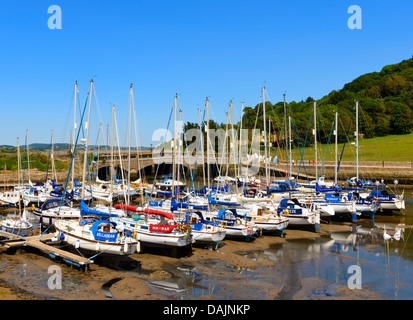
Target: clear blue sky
column 225, row 50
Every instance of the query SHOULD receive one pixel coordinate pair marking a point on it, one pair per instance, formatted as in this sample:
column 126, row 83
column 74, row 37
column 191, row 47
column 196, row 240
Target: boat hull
column 80, row 237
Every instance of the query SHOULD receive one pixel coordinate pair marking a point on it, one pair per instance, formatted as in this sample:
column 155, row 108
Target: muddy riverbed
column 303, row 265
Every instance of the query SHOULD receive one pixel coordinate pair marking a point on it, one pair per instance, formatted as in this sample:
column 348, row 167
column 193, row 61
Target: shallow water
column 301, row 269
column 316, row 269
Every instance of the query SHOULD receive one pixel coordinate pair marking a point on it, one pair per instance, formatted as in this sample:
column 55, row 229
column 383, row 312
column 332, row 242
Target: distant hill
column 385, row 107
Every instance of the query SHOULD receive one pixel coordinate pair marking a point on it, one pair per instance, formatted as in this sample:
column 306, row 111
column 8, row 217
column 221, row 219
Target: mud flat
column 24, row 274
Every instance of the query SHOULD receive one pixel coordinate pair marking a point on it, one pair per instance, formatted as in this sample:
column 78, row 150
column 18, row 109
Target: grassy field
column 389, row 148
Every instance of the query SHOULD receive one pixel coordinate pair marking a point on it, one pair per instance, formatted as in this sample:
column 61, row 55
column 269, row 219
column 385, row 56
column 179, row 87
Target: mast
column 357, row 139
column 336, row 134
column 18, row 171
column 87, row 138
column 240, row 139
column 54, row 175
column 234, row 146
column 73, row 141
column 202, row 146
column 225, row 150
column 207, row 135
column 27, row 151
column 179, row 162
column 129, row 143
column 315, row 139
column 112, row 164
column 285, row 137
column 289, row 147
column 265, row 137
column 174, row 148
column 269, row 148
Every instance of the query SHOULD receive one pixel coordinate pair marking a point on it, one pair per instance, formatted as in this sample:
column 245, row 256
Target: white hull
column 81, row 238
column 272, row 225
column 304, row 220
column 150, row 238
column 16, row 226
column 208, row 236
column 49, row 217
column 10, row 197
column 396, row 205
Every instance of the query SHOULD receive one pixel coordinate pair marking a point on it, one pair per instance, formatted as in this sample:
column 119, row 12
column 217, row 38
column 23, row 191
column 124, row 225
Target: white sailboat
column 154, row 228
column 264, row 219
column 93, row 231
column 18, row 225
column 236, row 227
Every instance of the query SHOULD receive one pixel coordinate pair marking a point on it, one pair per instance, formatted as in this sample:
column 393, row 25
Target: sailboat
column 264, row 219
column 150, row 227
column 236, row 227
column 18, row 225
column 94, row 232
column 154, row 228
column 261, row 195
column 204, row 232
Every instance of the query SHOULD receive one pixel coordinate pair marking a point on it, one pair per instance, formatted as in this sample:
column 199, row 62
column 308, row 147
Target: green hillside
column 385, row 107
column 388, row 148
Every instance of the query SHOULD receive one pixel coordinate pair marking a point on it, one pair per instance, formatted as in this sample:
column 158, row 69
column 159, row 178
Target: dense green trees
column 385, row 107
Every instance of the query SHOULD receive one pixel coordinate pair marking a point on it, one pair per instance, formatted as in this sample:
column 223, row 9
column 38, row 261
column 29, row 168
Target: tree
column 394, row 85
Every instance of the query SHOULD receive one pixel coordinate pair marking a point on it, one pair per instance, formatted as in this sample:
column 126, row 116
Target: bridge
column 148, row 160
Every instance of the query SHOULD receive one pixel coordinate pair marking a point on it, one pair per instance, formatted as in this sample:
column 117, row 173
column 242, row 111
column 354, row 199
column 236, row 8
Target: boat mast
column 289, row 147
column 179, row 162
column 27, row 151
column 336, row 134
column 240, row 141
column 18, row 173
column 202, row 145
column 357, row 139
column 285, row 138
column 73, row 137
column 174, row 148
column 265, row 137
column 234, row 146
column 129, row 143
column 315, row 139
column 87, row 138
column 112, row 164
column 207, row 134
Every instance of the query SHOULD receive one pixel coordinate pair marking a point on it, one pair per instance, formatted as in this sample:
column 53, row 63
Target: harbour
column 302, row 266
column 201, row 159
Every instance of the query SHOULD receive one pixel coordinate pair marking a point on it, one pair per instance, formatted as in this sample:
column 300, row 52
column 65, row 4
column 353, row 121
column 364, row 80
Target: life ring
column 238, row 221
column 286, row 212
column 344, row 198
column 223, row 224
column 260, row 195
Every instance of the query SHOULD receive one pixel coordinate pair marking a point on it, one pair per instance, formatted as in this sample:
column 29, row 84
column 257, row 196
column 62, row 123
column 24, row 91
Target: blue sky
column 225, row 50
